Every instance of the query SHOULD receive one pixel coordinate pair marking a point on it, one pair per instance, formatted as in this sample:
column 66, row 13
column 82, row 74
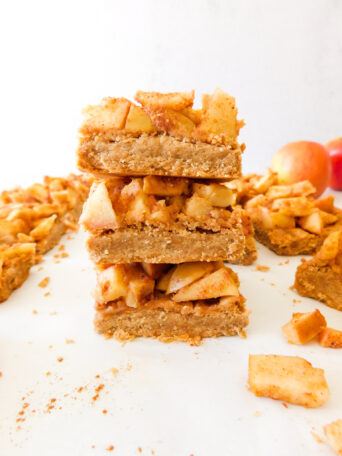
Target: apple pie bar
column 287, row 218
column 186, row 302
column 32, row 221
column 162, row 135
column 321, row 277
column 166, row 220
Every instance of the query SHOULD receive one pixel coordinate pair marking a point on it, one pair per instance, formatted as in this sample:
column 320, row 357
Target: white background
column 282, row 60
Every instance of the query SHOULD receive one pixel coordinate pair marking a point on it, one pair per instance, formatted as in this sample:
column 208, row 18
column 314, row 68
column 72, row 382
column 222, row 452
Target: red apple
column 334, row 148
column 303, row 160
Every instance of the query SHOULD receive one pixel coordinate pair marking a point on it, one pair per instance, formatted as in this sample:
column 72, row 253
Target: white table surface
column 164, row 399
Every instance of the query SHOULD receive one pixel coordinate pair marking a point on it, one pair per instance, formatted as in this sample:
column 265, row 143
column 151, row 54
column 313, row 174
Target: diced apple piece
column 111, row 113
column 98, row 212
column 193, row 114
column 197, row 207
column 155, row 271
column 288, row 378
column 303, row 188
column 330, row 338
column 111, row 283
column 43, row 228
column 135, row 201
column 165, row 186
column 219, row 117
column 218, row 195
column 263, row 183
column 140, row 285
column 172, row 122
column 186, row 273
column 282, row 221
column 326, row 204
column 217, row 284
column 163, row 282
column 298, row 206
column 138, row 121
column 330, row 247
column 312, row 223
column 304, row 327
column 333, row 433
column 176, row 101
column 256, row 201
column 327, row 218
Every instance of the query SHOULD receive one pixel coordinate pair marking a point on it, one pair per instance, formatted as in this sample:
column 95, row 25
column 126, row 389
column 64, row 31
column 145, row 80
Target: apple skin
column 303, row 160
column 334, row 148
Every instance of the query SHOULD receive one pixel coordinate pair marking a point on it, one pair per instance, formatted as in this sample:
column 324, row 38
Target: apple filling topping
column 156, row 200
column 137, row 283
column 331, row 251
column 29, row 215
column 171, row 113
column 284, row 206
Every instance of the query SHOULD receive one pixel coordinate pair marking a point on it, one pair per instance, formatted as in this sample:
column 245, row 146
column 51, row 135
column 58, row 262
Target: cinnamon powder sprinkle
column 44, row 283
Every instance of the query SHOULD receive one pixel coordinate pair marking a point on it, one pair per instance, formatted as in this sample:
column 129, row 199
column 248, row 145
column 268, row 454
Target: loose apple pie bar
column 166, row 220
column 287, row 218
column 186, row 302
column 321, row 277
column 32, row 221
column 163, row 136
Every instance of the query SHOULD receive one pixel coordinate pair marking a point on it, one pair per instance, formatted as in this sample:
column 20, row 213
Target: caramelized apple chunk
column 217, row 284
column 330, row 338
column 186, row 273
column 218, row 195
column 175, row 101
column 98, row 212
column 165, row 186
column 304, row 327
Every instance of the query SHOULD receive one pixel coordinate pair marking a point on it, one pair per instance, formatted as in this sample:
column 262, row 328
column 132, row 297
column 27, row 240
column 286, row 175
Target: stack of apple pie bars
column 161, row 218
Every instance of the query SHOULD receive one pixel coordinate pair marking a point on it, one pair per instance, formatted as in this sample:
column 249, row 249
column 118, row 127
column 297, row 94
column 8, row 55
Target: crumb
column 285, row 405
column 52, row 400
column 0, row 374
column 50, row 346
column 256, row 413
column 57, row 261
column 34, row 311
column 129, row 367
column 53, row 313
column 295, row 301
column 69, row 237
column 292, row 287
column 48, row 373
column 140, row 450
column 280, row 264
column 40, row 268
column 261, row 268
column 287, row 262
column 97, row 376
column 80, row 389
column 110, row 448
column 60, row 359
column 114, row 370
column 104, row 411
column 61, row 247
column 64, row 255
column 44, row 283
column 56, row 255
column 272, row 284
column 262, row 279
column 47, row 293
column 316, row 437
column 69, row 341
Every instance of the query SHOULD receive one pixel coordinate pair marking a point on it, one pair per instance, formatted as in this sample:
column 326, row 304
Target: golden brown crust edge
column 159, row 155
column 159, row 245
column 319, row 282
column 172, row 325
